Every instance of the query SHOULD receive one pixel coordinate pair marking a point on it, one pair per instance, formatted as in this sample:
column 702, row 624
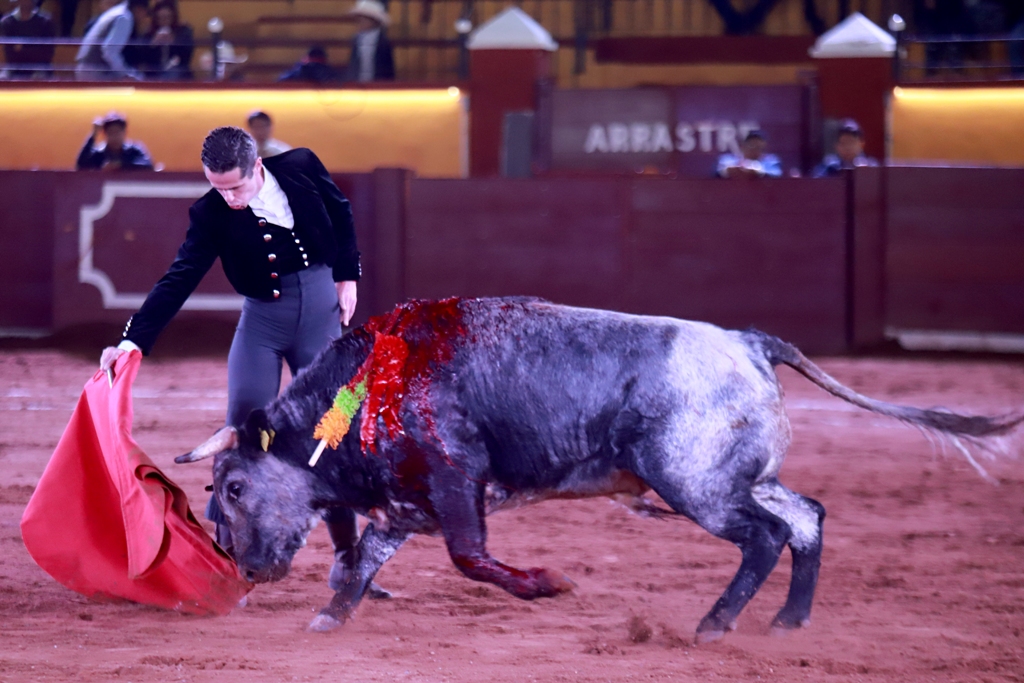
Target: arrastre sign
column 703, row 136
column 676, row 131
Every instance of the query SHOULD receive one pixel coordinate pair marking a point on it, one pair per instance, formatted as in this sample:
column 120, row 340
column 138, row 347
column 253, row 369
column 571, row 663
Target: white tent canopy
column 512, row 29
column 855, row 36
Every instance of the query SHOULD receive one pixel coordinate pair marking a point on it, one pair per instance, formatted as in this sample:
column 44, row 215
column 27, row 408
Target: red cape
column 106, row 523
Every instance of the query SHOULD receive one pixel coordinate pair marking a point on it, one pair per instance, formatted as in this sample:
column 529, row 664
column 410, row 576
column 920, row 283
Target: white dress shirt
column 272, row 203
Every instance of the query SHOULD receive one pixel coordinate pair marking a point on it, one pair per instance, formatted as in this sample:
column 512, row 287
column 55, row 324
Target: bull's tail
column 969, row 426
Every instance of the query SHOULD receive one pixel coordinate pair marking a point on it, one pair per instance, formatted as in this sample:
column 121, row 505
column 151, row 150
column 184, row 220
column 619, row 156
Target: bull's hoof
column 783, row 625
column 708, row 637
column 322, row 623
column 375, row 592
column 711, row 630
column 554, row 582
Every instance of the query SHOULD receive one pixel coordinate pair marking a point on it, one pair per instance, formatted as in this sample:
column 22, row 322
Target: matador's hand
column 109, row 357
column 346, row 299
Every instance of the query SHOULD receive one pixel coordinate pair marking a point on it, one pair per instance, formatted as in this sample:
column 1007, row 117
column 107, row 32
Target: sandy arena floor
column 922, row 579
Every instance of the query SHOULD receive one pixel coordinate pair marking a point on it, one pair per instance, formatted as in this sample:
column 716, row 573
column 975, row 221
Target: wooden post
column 509, row 56
column 855, row 76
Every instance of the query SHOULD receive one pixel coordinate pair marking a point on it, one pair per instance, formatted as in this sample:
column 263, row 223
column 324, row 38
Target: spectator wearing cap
column 27, row 21
column 118, row 153
column 849, row 152
column 101, row 56
column 371, row 59
column 753, row 161
column 261, row 127
column 312, row 69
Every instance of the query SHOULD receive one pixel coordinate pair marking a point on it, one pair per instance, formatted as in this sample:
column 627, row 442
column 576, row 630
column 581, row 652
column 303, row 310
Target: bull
column 462, row 407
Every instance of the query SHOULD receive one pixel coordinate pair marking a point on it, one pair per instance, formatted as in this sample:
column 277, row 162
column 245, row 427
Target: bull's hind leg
column 731, row 514
column 760, row 536
column 459, row 506
column 805, row 517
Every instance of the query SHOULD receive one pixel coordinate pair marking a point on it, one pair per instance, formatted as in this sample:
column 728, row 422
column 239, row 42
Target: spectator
column 312, row 69
column 168, row 45
column 753, row 160
column 118, row 153
column 849, row 151
column 371, row 50
column 136, row 52
column 942, row 19
column 102, row 53
column 261, row 127
column 229, row 63
column 103, row 6
column 68, row 10
column 1016, row 49
column 26, row 21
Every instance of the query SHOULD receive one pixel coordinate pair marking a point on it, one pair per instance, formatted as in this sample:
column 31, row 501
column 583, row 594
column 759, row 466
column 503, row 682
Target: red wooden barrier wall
column 827, row 264
column 767, row 254
column 956, row 249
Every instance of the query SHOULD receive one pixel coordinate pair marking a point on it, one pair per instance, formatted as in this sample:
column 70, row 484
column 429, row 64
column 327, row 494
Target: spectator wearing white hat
column 371, row 50
column 228, row 62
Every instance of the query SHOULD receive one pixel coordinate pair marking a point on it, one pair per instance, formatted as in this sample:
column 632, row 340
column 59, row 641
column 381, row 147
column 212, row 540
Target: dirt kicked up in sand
column 922, row 576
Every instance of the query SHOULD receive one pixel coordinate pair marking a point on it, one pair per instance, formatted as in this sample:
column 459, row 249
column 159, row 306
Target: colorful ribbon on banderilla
column 378, row 387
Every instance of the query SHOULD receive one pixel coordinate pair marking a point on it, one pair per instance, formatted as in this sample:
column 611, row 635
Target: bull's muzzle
column 264, row 574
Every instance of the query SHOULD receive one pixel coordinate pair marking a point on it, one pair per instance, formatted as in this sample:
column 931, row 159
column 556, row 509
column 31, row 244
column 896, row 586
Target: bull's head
column 266, row 501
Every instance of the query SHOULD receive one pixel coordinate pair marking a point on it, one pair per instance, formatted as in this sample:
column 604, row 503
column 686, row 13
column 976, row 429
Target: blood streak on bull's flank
column 703, row 136
column 410, row 343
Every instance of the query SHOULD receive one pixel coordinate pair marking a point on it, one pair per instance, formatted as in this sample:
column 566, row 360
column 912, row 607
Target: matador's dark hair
column 229, row 147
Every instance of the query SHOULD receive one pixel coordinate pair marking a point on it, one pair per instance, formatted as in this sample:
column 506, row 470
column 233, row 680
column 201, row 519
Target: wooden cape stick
column 318, row 452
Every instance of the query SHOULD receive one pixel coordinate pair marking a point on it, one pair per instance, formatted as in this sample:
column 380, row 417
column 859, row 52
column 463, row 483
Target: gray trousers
column 292, row 328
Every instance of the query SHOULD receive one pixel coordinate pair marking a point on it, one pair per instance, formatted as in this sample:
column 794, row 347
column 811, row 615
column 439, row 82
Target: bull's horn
column 225, row 439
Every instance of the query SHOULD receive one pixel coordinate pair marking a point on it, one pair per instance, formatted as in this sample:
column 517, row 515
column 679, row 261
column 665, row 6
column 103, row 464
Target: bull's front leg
column 344, row 533
column 459, row 505
column 374, row 549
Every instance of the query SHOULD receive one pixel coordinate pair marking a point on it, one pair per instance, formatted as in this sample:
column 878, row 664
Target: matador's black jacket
column 323, row 224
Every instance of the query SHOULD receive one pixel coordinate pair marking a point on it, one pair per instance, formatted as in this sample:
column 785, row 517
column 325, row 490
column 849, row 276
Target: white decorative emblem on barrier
column 89, row 274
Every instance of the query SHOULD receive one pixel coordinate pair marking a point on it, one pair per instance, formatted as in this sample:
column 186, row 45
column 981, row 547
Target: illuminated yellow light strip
column 968, row 125
column 444, row 96
column 970, row 96
column 352, row 130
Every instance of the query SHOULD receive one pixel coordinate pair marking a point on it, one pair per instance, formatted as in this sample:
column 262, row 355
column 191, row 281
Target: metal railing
column 429, row 39
column 959, row 59
column 51, row 70
column 425, row 59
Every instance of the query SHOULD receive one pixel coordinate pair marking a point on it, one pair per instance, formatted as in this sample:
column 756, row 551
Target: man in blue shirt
column 118, row 153
column 101, row 55
column 752, row 162
column 849, row 152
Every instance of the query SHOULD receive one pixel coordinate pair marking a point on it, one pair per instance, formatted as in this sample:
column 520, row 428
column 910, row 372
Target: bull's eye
column 235, row 490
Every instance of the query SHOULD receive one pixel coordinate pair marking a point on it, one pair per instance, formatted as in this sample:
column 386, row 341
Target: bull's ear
column 258, row 431
column 225, row 439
